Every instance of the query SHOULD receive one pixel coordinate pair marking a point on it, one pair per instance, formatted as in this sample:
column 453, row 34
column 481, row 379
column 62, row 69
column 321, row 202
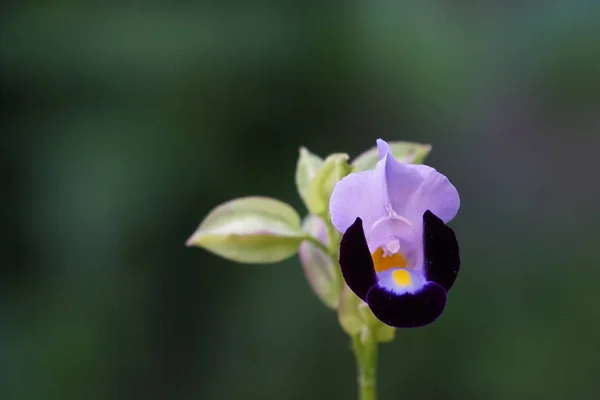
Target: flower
column 397, row 253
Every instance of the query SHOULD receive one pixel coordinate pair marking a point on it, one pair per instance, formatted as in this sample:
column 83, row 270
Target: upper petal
column 373, row 195
column 401, row 182
column 436, row 194
column 434, row 191
column 383, row 148
column 358, row 195
column 391, row 193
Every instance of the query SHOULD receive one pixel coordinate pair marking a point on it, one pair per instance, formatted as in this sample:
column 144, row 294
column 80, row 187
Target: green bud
column 384, row 333
column 406, row 152
column 355, row 316
column 366, row 314
column 250, row 230
column 348, row 314
column 319, row 267
column 381, row 331
column 319, row 191
column 306, row 169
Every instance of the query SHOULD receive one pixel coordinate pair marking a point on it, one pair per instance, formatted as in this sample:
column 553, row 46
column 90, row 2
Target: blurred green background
column 124, row 123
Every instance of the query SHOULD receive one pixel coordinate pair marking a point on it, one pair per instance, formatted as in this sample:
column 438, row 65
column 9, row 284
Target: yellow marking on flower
column 383, row 263
column 401, row 277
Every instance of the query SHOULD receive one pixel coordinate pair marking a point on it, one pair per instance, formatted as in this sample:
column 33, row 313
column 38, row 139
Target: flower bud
column 319, row 267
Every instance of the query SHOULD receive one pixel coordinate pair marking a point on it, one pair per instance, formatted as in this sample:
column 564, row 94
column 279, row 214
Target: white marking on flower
column 392, row 247
column 390, row 215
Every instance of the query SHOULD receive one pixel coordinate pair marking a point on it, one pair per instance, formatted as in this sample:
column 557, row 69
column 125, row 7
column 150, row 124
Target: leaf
column 406, row 152
column 250, row 230
column 319, row 191
column 318, row 266
column 306, row 169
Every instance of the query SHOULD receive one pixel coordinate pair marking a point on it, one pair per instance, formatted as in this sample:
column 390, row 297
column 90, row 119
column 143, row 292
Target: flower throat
column 388, row 257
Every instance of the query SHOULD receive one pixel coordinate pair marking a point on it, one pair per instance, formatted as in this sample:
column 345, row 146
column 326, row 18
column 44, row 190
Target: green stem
column 365, row 350
column 364, row 344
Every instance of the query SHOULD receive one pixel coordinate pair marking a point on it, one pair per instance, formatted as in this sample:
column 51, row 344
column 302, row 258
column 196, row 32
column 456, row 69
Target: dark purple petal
column 409, row 310
column 442, row 259
column 355, row 260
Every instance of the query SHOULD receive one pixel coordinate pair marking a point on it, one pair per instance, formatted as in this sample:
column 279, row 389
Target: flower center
column 387, row 257
column 401, row 277
column 392, row 247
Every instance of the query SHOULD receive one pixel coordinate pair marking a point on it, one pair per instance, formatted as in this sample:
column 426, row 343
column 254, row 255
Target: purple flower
column 397, row 254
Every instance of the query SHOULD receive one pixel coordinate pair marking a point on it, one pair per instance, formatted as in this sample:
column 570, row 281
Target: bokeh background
column 124, row 123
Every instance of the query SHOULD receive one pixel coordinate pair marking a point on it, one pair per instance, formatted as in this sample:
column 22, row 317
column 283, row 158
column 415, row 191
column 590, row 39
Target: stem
column 364, row 345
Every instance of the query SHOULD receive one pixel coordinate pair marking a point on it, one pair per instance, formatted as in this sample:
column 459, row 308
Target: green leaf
column 348, row 314
column 319, row 267
column 406, row 152
column 306, row 169
column 319, row 191
column 250, row 230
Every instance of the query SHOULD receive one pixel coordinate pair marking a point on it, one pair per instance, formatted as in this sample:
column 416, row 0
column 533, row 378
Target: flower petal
column 402, row 182
column 383, row 148
column 409, row 310
column 360, row 194
column 355, row 260
column 442, row 258
column 436, row 194
column 371, row 195
column 391, row 200
column 412, row 189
